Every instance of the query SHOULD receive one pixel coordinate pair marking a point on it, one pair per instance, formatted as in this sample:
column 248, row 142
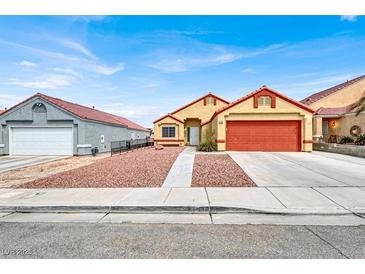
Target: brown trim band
column 220, row 141
column 307, row 141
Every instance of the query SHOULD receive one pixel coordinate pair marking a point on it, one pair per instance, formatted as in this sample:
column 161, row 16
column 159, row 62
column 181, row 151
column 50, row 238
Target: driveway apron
column 14, row 162
column 181, row 172
column 294, row 169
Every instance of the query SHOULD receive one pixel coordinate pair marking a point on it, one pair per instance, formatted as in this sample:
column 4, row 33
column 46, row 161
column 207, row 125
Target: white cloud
column 200, row 55
column 26, row 63
column 302, row 89
column 77, row 63
column 103, row 69
column 131, row 111
column 186, row 63
column 66, row 71
column 248, row 70
column 90, row 18
column 41, row 52
column 350, row 18
column 52, row 81
column 77, row 47
column 8, row 100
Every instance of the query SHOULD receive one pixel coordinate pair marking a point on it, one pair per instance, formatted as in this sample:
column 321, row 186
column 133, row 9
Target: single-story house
column 264, row 120
column 336, row 111
column 44, row 125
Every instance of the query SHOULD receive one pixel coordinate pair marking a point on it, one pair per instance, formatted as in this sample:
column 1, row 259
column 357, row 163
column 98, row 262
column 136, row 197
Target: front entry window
column 325, row 128
column 168, row 132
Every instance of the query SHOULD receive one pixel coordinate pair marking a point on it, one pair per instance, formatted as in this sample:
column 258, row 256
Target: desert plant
column 346, row 140
column 209, row 144
column 360, row 140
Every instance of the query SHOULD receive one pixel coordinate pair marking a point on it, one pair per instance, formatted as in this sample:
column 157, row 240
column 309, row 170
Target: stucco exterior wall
column 86, row 134
column 193, row 116
column 342, row 125
column 244, row 110
column 179, row 130
column 137, row 134
column 343, row 97
column 199, row 110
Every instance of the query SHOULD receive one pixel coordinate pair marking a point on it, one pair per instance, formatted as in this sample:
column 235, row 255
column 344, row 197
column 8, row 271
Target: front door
column 194, row 136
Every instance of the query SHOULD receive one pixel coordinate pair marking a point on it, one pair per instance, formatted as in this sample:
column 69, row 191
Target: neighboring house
column 43, row 125
column 263, row 120
column 335, row 110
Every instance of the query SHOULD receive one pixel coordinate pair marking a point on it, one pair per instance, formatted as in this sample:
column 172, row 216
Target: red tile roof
column 168, row 115
column 1, row 111
column 331, row 111
column 337, row 111
column 324, row 93
column 86, row 112
column 244, row 98
column 209, row 94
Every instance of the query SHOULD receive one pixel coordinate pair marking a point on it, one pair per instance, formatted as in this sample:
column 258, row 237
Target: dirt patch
column 218, row 171
column 139, row 168
column 23, row 175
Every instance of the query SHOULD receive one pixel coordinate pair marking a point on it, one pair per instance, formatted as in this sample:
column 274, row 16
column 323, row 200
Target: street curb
column 157, row 209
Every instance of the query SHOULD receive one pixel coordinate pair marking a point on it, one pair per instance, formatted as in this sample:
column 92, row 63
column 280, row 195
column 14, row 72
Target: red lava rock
column 138, row 168
column 219, row 171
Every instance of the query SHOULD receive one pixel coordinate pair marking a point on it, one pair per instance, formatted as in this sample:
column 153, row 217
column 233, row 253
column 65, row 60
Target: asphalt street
column 97, row 240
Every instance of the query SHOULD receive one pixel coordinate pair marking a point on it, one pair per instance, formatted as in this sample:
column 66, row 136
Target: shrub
column 209, row 145
column 360, row 140
column 346, row 140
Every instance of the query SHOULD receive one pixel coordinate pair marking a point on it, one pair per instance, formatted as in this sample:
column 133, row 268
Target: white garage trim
column 41, row 140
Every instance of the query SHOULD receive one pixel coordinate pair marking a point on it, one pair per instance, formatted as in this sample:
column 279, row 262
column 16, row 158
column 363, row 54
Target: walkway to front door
column 181, row 172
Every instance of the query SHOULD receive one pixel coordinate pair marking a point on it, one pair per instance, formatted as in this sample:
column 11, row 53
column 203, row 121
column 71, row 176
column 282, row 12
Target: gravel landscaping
column 145, row 167
column 24, row 175
column 218, row 171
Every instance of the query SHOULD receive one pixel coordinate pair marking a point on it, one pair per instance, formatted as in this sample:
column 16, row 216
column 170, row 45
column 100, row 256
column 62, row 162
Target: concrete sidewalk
column 271, row 200
column 181, row 172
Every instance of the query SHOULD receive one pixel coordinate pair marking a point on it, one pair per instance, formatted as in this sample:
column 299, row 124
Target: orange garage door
column 264, row 135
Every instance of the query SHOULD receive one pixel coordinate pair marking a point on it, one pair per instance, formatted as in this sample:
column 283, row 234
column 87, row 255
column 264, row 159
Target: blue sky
column 142, row 67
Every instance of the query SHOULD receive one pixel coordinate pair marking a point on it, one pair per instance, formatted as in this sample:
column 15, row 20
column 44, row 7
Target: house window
column 168, row 132
column 264, row 101
column 325, row 128
column 209, row 100
column 39, row 108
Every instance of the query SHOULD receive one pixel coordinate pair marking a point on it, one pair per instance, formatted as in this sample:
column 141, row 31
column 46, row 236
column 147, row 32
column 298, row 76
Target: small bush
column 208, row 146
column 360, row 140
column 346, row 140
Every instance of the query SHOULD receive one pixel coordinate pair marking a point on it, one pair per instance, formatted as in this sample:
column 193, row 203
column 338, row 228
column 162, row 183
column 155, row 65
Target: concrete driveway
column 13, row 162
column 301, row 169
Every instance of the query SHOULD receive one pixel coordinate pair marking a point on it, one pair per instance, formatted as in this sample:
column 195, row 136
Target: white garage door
column 42, row 141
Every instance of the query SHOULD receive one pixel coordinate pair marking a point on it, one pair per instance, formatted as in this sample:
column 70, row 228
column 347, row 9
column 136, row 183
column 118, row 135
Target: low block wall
column 352, row 150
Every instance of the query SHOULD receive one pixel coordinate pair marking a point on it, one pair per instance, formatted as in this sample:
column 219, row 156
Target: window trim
column 266, row 100
column 168, row 132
